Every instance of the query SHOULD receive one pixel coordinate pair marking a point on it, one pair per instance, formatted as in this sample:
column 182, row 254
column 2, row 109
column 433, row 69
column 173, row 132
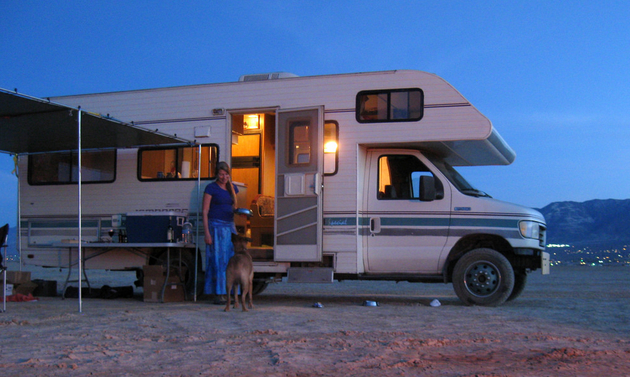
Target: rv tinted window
column 62, row 168
column 396, row 105
column 176, row 163
column 331, row 147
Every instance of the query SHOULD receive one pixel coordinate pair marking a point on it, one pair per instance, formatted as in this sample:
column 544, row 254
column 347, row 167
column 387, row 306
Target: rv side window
column 176, row 163
column 396, row 105
column 331, row 147
column 399, row 178
column 62, row 168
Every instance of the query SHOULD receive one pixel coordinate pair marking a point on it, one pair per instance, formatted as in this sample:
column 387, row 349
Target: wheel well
column 472, row 242
column 154, row 257
column 158, row 256
column 158, row 253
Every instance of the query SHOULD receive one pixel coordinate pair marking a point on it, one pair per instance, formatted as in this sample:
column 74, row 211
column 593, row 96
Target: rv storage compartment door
column 300, row 160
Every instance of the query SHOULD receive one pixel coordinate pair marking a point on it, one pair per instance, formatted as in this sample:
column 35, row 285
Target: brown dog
column 240, row 271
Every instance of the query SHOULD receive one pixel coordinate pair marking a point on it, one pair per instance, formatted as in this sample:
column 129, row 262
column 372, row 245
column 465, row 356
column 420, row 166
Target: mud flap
column 544, row 263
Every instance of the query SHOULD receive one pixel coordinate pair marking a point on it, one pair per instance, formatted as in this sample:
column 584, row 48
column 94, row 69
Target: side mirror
column 427, row 188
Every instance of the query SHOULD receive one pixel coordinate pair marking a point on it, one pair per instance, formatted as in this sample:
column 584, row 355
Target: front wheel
column 483, row 277
column 520, row 280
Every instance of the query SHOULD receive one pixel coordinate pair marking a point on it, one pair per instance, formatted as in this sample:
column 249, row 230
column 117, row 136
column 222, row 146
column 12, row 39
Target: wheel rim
column 482, row 279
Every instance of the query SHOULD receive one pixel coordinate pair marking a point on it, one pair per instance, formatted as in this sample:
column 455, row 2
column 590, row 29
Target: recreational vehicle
column 349, row 176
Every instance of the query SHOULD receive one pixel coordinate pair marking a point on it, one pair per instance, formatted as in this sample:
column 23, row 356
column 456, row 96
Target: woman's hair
column 222, row 165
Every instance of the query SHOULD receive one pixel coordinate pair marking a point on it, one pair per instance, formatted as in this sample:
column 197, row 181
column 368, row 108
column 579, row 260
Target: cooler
column 151, row 227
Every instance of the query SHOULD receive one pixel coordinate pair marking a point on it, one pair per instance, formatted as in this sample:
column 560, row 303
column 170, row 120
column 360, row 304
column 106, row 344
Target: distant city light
column 558, row 245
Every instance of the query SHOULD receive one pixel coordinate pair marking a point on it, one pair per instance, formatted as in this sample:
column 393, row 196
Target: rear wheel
column 483, row 277
column 188, row 266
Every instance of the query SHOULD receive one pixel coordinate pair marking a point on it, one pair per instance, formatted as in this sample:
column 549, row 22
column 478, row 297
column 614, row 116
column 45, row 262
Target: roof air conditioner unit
column 266, row 76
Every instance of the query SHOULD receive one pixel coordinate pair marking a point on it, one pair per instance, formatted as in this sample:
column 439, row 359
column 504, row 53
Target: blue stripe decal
column 64, row 224
column 486, row 223
column 414, row 221
column 424, row 222
column 340, row 221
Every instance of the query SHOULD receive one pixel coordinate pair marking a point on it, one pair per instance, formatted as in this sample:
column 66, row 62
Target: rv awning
column 33, row 125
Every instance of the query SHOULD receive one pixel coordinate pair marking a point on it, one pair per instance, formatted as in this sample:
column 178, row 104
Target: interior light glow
column 330, row 147
column 253, row 122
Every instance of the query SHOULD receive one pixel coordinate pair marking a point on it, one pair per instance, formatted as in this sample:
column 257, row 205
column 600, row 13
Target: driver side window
column 399, row 178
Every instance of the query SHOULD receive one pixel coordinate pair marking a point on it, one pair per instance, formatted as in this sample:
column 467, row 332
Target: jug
column 187, row 232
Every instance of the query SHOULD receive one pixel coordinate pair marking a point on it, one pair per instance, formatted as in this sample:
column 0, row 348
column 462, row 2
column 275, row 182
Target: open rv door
column 299, row 167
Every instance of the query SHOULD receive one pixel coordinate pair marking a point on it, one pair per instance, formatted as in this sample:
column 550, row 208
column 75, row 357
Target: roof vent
column 266, row 76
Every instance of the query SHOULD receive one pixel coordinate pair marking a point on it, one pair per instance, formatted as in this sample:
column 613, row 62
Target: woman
column 219, row 202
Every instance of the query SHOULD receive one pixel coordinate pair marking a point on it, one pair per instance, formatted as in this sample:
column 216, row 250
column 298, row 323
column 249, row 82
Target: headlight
column 529, row 229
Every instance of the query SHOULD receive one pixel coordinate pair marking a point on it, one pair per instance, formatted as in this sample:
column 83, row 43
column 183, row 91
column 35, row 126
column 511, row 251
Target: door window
column 300, row 143
column 399, row 178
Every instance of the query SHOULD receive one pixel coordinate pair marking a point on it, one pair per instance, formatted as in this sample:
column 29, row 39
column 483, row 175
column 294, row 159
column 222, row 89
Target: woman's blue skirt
column 217, row 256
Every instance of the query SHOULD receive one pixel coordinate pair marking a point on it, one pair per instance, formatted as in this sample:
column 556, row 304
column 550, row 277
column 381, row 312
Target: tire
column 259, row 286
column 520, row 280
column 483, row 277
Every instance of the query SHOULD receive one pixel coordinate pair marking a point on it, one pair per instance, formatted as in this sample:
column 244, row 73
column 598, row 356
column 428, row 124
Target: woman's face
column 223, row 177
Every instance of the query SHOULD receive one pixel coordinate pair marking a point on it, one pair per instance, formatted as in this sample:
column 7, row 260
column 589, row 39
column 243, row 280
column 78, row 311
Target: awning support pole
column 80, row 247
column 19, row 211
column 199, row 209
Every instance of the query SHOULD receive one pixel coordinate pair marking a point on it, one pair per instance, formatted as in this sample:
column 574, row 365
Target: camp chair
column 4, row 235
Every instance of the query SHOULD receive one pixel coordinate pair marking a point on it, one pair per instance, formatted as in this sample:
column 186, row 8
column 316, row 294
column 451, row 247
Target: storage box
column 25, row 288
column 150, row 227
column 8, row 290
column 154, row 277
column 18, row 277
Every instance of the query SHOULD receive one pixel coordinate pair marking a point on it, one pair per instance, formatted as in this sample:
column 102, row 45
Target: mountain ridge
column 593, row 223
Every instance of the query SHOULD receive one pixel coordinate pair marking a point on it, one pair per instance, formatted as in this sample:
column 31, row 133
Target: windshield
column 456, row 179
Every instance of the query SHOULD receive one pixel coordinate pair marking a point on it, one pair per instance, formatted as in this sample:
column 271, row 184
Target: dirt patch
column 572, row 322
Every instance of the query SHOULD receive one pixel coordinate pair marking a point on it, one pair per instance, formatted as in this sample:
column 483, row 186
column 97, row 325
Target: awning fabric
column 32, row 125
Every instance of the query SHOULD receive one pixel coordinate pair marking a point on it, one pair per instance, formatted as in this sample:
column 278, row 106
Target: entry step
column 261, row 254
column 310, row 275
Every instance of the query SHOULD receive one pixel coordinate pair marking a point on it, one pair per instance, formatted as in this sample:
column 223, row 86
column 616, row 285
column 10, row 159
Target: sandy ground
column 574, row 322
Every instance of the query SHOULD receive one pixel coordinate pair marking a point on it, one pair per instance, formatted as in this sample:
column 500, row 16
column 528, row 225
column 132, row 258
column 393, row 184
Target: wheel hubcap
column 482, row 278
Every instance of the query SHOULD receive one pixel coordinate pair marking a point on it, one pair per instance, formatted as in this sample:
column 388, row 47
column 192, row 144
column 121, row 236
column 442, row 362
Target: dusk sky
column 553, row 77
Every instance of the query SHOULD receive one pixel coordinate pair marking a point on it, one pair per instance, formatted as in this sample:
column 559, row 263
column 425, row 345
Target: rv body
column 349, row 177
